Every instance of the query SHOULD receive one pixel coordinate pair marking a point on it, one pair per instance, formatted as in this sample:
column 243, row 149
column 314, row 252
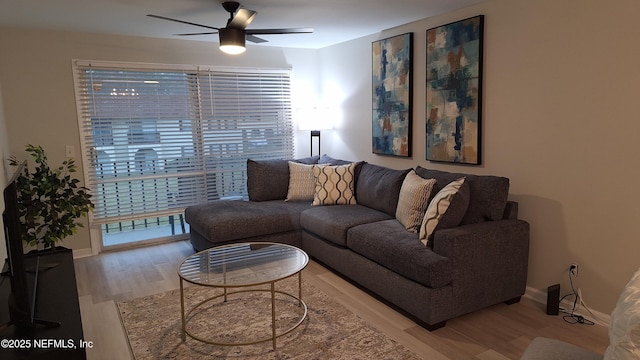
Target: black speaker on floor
column 553, row 299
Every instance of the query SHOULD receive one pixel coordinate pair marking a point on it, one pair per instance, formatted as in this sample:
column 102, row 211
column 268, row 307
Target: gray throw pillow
column 326, row 159
column 308, row 160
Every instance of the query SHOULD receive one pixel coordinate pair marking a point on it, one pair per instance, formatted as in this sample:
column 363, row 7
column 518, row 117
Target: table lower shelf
column 204, row 308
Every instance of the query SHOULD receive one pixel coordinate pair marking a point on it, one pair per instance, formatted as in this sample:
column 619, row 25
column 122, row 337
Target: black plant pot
column 53, row 249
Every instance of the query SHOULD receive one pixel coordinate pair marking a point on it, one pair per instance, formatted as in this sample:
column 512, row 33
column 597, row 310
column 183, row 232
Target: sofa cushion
column 378, row 187
column 413, row 201
column 332, row 222
column 487, row 194
column 269, row 179
column 390, row 245
column 227, row 220
column 334, row 184
column 446, row 209
column 302, row 184
column 624, row 328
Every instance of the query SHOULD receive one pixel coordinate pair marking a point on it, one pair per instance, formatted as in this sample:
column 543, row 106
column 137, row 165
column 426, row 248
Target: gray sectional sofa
column 472, row 260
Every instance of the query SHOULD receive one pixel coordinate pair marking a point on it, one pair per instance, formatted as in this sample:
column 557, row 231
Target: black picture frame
column 454, row 70
column 392, row 95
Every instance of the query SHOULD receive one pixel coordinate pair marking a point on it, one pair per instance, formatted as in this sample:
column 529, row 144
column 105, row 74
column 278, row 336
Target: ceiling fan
column 233, row 36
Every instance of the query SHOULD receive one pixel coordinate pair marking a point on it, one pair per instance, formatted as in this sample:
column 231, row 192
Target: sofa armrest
column 489, row 259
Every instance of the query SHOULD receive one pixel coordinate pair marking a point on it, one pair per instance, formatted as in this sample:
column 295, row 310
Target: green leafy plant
column 49, row 200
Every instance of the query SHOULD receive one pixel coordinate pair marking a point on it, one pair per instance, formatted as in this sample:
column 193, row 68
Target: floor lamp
column 315, row 122
column 315, row 134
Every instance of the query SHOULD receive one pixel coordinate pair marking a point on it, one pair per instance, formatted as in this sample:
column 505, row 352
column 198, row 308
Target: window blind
column 158, row 139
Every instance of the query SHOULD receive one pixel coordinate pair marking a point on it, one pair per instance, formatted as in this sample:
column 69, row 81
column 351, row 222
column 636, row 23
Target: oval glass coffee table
column 236, row 267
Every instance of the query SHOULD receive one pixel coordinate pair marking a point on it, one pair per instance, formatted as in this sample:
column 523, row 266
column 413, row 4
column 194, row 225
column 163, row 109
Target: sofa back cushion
column 487, row 194
column 379, row 187
column 269, row 179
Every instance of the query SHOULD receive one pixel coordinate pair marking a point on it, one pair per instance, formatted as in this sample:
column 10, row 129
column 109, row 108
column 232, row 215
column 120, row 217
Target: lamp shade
column 232, row 41
column 314, row 119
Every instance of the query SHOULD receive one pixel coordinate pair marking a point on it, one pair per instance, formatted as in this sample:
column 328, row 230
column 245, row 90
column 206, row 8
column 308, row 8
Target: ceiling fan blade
column 181, row 21
column 242, row 19
column 202, row 33
column 255, row 39
column 279, row 31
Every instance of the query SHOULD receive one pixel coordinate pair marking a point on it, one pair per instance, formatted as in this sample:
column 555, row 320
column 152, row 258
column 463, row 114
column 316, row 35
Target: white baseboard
column 80, row 253
column 541, row 297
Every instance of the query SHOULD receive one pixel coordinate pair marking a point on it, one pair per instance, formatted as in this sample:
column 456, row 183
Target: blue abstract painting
column 454, row 91
column 392, row 95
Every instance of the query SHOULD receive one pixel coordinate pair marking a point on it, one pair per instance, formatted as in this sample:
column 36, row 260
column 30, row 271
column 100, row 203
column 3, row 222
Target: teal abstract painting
column 392, row 95
column 454, row 91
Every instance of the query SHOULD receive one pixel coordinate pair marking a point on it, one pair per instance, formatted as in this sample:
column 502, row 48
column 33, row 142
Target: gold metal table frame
column 239, row 266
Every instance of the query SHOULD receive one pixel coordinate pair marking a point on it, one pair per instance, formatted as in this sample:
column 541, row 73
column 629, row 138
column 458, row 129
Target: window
column 156, row 140
column 143, row 132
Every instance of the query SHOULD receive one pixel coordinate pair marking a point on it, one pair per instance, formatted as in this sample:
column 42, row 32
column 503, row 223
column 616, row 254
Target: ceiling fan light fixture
column 232, row 41
column 233, row 36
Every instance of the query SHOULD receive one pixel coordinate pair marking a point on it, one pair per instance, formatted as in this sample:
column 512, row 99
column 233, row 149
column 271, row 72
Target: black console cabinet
column 57, row 301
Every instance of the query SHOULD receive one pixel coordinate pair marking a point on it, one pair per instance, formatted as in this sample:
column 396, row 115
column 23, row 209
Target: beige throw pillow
column 302, row 183
column 413, row 201
column 334, row 184
column 437, row 208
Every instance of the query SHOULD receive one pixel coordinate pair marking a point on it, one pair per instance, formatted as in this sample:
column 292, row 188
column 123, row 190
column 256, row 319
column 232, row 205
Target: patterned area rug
column 330, row 331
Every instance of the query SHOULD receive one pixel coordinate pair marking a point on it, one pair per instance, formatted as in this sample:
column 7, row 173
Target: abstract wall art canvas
column 454, row 91
column 392, row 95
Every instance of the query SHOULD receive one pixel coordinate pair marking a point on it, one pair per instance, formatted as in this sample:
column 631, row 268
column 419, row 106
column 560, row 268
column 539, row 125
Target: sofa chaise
column 432, row 244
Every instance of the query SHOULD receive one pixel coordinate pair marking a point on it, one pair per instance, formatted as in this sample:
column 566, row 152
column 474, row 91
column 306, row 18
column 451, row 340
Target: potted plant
column 49, row 200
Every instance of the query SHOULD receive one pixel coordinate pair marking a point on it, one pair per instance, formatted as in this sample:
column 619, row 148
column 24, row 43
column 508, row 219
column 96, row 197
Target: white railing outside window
column 157, row 139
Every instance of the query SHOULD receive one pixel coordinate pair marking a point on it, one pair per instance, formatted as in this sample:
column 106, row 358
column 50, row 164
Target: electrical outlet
column 70, row 151
column 573, row 269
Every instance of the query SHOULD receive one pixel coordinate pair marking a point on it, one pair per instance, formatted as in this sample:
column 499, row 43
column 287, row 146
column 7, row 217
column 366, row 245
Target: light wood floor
column 497, row 333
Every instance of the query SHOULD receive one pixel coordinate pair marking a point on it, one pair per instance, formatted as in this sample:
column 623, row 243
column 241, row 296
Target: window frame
column 207, row 127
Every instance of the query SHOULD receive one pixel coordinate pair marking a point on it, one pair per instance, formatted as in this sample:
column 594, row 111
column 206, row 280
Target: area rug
column 330, row 331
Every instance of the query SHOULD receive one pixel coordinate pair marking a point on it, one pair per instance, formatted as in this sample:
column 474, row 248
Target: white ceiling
column 334, row 21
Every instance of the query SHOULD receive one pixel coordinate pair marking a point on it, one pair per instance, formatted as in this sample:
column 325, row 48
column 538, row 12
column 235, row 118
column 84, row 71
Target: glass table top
column 245, row 264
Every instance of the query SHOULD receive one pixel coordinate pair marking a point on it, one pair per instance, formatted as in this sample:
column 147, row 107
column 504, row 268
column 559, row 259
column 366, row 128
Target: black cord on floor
column 571, row 317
